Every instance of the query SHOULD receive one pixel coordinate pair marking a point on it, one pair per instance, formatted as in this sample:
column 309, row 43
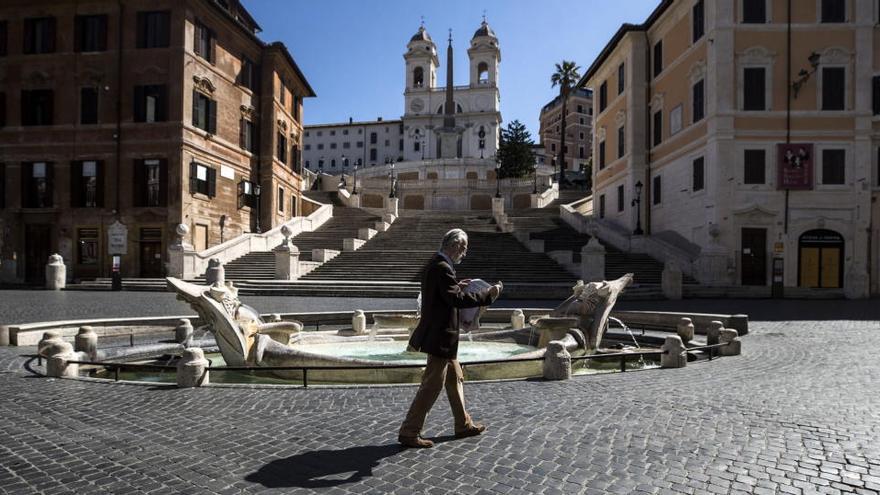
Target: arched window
column 483, row 73
column 418, row 77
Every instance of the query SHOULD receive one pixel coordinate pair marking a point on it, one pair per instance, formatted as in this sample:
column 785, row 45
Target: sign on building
column 794, row 165
column 117, row 238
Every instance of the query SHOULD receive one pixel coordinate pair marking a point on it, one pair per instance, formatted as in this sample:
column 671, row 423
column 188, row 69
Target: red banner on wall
column 794, row 165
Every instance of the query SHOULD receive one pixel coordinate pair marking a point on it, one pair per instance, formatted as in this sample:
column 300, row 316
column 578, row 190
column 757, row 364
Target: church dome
column 422, row 35
column 484, row 30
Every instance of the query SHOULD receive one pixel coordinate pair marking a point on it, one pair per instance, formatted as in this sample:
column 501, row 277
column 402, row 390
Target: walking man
column 437, row 336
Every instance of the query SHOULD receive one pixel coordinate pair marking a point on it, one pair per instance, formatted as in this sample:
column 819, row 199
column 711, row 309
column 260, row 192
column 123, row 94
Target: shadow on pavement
column 323, row 468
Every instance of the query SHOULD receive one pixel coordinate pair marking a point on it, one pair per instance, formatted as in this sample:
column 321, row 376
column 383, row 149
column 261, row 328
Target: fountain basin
column 399, row 320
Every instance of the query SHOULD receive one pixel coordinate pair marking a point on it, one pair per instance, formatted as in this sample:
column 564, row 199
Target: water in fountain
column 633, row 337
column 374, row 331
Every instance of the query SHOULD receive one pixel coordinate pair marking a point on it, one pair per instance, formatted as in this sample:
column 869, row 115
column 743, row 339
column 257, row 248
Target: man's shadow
column 323, row 468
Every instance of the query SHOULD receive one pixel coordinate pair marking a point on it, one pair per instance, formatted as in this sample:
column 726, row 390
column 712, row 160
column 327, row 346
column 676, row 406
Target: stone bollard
column 192, row 369
column 359, row 322
column 183, row 333
column 215, row 273
column 517, row 320
column 57, row 366
column 86, row 341
column 50, row 337
column 713, row 333
column 674, row 353
column 56, row 273
column 685, row 330
column 557, row 361
column 730, row 337
column 4, row 335
column 275, row 317
column 671, row 280
column 286, row 261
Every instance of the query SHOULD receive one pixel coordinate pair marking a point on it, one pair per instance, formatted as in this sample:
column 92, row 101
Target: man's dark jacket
column 437, row 331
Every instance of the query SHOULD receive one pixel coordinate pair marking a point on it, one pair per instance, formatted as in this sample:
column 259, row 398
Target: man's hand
column 464, row 283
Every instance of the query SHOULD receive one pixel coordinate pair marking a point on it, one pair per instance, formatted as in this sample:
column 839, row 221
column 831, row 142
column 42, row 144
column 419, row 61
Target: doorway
column 754, row 256
column 37, row 244
column 151, row 252
column 820, row 259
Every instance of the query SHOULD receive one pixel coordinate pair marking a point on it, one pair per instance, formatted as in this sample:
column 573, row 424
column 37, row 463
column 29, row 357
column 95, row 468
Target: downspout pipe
column 119, row 87
column 646, row 196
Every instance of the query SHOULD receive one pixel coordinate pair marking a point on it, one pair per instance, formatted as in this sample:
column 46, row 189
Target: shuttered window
column 833, row 10
column 88, row 106
column 37, row 107
column 657, row 190
column 699, row 21
column 203, row 42
column 153, row 29
column 39, row 35
column 601, row 155
column 90, row 33
column 151, row 182
column 754, row 97
column 151, row 103
column 202, row 179
column 603, row 96
column 754, row 11
column 833, row 88
column 620, row 198
column 658, row 127
column 204, row 112
column 87, row 184
column 658, row 58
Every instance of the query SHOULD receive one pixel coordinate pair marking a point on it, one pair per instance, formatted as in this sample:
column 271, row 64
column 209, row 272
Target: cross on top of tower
column 450, row 35
column 484, row 17
column 422, row 21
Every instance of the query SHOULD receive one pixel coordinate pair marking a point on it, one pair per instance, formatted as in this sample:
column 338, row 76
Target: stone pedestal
column 517, row 320
column 56, row 273
column 183, row 332
column 86, row 341
column 50, row 338
column 192, row 369
column 352, row 244
column 557, row 362
column 215, row 272
column 389, row 218
column 178, row 254
column 286, row 262
column 391, row 207
column 354, row 200
column 671, row 281
column 366, row 233
column 710, row 267
column 497, row 207
column 730, row 337
column 685, row 330
column 593, row 261
column 57, row 363
column 359, row 322
column 675, row 354
column 713, row 333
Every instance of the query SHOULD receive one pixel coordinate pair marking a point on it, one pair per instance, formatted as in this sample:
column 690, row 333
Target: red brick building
column 151, row 113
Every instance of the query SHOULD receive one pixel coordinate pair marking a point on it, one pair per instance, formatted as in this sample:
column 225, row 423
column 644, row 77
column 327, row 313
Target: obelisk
column 449, row 134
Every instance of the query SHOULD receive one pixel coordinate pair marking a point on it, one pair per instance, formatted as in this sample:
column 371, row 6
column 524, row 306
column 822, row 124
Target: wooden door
column 37, row 244
column 830, row 271
column 810, row 267
column 200, row 238
column 754, row 256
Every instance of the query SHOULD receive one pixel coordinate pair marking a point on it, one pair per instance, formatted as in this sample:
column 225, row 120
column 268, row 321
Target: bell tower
column 485, row 55
column 421, row 62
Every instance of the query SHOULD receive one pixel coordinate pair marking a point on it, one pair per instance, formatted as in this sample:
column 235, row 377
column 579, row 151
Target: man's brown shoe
column 471, row 431
column 415, row 442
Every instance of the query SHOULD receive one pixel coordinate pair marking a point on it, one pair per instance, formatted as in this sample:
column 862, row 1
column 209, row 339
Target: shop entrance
column 754, row 256
column 151, row 252
column 820, row 259
column 37, row 244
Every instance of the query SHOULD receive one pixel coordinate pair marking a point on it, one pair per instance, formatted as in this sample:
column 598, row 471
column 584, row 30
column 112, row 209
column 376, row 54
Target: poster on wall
column 794, row 165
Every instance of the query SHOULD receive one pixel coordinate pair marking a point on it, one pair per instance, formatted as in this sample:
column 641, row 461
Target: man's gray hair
column 452, row 238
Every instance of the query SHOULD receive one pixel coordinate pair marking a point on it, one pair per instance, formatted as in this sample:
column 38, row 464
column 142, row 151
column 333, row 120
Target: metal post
column 623, row 363
column 305, row 378
column 116, row 373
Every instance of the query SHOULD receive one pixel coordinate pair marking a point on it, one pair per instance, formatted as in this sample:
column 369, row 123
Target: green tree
column 566, row 76
column 515, row 151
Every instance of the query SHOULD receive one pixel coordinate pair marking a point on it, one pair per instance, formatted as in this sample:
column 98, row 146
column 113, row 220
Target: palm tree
column 565, row 77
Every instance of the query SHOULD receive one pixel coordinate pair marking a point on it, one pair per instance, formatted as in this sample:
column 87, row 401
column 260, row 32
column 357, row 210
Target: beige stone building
column 698, row 103
column 142, row 113
column 579, row 135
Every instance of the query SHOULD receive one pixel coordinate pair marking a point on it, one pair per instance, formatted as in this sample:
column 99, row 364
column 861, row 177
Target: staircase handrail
column 251, row 242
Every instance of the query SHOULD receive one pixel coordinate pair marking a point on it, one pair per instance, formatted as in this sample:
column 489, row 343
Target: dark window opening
column 698, row 100
column 754, row 167
column 754, row 11
column 87, row 184
column 833, row 10
column 658, row 127
column 281, row 148
column 37, row 107
column 246, row 195
column 601, row 155
column 248, row 75
column 153, row 29
column 833, row 166
column 698, row 174
column 658, row 58
column 833, row 88
column 603, row 96
column 418, row 77
column 204, row 113
column 602, row 206
column 875, row 87
column 90, row 33
column 202, row 179
column 656, row 190
column 39, row 35
column 88, row 109
column 87, row 246
column 280, row 200
column 37, row 185
column 621, row 141
column 4, row 32
column 621, row 78
column 699, row 28
column 248, row 139
column 151, row 103
column 620, row 198
column 754, row 88
column 203, row 42
column 2, row 110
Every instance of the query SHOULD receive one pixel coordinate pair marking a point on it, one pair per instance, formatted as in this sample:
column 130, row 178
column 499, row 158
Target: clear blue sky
column 351, row 51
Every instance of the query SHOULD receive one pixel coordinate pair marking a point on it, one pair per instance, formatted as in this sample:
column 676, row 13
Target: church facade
column 469, row 125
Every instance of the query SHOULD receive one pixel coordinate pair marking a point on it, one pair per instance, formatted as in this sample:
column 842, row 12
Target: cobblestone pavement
column 798, row 412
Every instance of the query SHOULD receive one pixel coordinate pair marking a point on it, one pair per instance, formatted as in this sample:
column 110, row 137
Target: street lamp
column 257, row 192
column 319, row 182
column 553, row 161
column 535, row 178
column 497, row 179
column 422, row 147
column 391, row 177
column 344, row 169
column 637, row 204
column 354, row 189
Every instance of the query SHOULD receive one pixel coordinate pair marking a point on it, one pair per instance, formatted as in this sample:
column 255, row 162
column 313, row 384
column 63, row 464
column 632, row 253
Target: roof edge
column 278, row 45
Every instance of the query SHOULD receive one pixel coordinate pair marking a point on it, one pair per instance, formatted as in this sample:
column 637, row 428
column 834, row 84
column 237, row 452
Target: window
column 603, row 96
column 86, row 184
column 345, row 132
column 698, row 17
column 37, row 107
column 360, row 144
column 281, row 148
column 295, row 158
column 602, row 206
column 698, row 101
column 203, row 42
column 333, row 163
column 417, row 146
column 621, row 141
column 248, row 137
column 875, row 89
column 658, row 127
column 151, row 103
column 621, row 78
column 697, row 182
column 246, row 195
column 387, row 142
column 282, row 96
column 833, row 166
column 202, row 179
column 248, row 75
column 87, row 246
column 754, row 166
column 320, row 146
column 90, row 33
column 204, row 113
column 658, row 58
column 150, row 182
column 833, row 10
column 373, row 137
column 332, row 146
column 37, row 185
column 88, row 106
column 601, row 155
column 656, row 190
column 754, row 11
column 332, row 133
column 280, row 200
column 581, row 135
column 308, row 147
column 754, row 88
column 346, row 145
column 3, row 35
column 400, row 145
column 153, row 29
column 581, row 152
column 3, row 113
column 373, row 155
column 39, row 35
column 833, row 88
column 620, row 198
